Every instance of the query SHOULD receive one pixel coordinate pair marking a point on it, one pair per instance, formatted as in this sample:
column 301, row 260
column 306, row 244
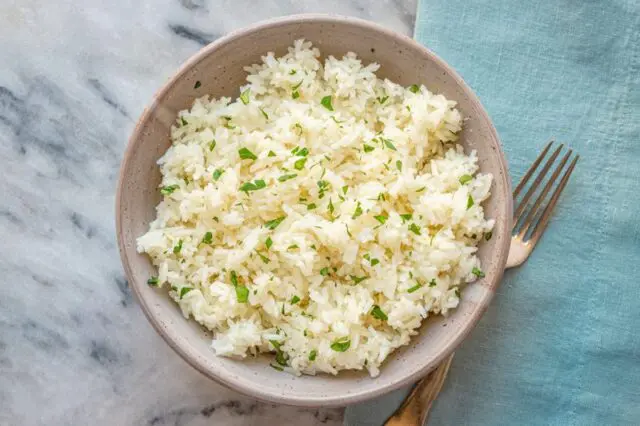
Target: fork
column 529, row 222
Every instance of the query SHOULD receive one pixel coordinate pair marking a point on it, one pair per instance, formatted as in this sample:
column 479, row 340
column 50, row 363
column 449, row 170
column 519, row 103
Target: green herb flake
column 345, row 189
column 432, row 283
column 264, row 258
column 183, row 122
column 264, row 114
column 324, row 271
column 177, row 247
column 184, row 290
column 295, row 94
column 374, row 262
column 388, row 143
column 234, row 278
column 294, row 300
column 358, row 280
column 383, row 99
column 405, row 217
column 297, row 85
column 242, row 294
column 469, row 202
column 326, row 102
column 197, row 85
column 299, row 164
column 465, row 178
column 244, row 96
column 415, row 229
column 378, row 313
column 311, row 206
column 331, row 208
column 477, row 272
column 488, row 235
column 166, row 190
column 245, row 154
column 253, row 186
column 271, row 154
column 292, row 72
column 302, row 153
column 276, row 367
column 268, row 243
column 217, row 173
column 414, row 288
column 341, row 344
column 208, row 238
column 414, row 88
column 381, row 218
column 212, row 145
column 348, row 232
column 153, row 281
column 293, row 247
column 273, row 224
column 358, row 211
column 312, row 355
column 421, row 189
column 368, row 148
column 399, row 165
column 285, row 178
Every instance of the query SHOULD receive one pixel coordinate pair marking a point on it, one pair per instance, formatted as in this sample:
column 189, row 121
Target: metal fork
column 528, row 226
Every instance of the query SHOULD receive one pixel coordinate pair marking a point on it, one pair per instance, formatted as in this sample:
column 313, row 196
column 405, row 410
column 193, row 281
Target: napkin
column 560, row 343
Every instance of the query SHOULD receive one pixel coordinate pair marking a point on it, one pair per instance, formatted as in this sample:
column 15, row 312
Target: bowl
column 219, row 68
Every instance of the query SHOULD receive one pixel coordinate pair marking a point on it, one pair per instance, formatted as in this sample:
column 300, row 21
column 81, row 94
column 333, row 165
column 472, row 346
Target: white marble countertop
column 74, row 347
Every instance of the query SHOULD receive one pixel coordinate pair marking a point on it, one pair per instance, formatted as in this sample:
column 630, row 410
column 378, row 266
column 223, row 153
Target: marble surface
column 75, row 75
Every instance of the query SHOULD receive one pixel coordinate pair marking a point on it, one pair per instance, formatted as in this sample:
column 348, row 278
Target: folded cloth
column 560, row 343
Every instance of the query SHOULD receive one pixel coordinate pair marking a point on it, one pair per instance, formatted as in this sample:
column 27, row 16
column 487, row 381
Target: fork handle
column 415, row 409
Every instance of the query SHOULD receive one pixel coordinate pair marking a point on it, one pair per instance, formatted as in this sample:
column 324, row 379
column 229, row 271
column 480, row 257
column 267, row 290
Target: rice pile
column 320, row 216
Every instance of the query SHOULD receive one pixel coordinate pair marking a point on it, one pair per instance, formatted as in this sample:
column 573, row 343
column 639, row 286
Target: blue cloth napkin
column 560, row 344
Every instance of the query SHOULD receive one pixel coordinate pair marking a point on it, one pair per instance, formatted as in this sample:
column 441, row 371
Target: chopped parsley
column 212, row 145
column 345, row 189
column 244, row 96
column 264, row 258
column 197, row 85
column 477, row 272
column 378, row 313
column 292, row 72
column 153, row 281
column 295, row 94
column 331, row 208
column 234, row 278
column 414, row 228
column 414, row 88
column 242, row 294
column 324, row 271
column 273, row 224
column 245, row 154
column 323, row 185
column 183, row 121
column 406, row 216
column 185, row 290
column 299, row 164
column 399, row 165
column 383, row 99
column 276, row 367
column 381, row 218
column 268, row 243
column 177, row 247
column 432, row 283
column 374, row 262
column 488, row 235
column 294, row 300
column 312, row 355
column 414, row 288
column 311, row 206
column 358, row 211
column 297, row 85
column 293, row 247
column 264, row 113
column 217, row 173
column 285, row 178
column 368, row 148
column 166, row 190
column 358, row 280
column 208, row 238
column 326, row 102
column 300, row 152
column 388, row 143
column 253, row 186
column 469, row 202
column 341, row 344
column 465, row 178
column 348, row 232
column 421, row 189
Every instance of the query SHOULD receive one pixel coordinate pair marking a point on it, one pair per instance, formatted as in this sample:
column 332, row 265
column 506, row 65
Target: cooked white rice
column 344, row 278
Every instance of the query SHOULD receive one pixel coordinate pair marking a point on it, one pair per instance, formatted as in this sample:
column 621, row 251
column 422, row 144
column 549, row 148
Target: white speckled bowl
column 219, row 67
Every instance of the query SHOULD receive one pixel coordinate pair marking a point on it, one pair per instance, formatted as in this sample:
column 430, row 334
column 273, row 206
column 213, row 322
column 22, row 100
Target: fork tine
column 536, row 205
column 544, row 220
column 520, row 209
column 532, row 169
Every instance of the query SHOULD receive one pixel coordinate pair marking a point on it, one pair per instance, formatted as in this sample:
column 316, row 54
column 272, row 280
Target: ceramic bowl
column 219, row 68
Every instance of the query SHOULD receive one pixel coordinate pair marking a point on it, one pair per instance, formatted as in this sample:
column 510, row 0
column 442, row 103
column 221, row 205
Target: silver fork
column 528, row 226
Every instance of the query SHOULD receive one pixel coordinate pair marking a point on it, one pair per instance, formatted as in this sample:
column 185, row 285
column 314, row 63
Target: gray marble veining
column 75, row 75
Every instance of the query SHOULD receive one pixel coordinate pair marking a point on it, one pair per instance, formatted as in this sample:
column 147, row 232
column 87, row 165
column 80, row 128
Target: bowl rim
column 228, row 380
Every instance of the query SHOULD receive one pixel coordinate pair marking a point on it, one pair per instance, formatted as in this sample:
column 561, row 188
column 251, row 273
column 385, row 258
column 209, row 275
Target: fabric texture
column 560, row 343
